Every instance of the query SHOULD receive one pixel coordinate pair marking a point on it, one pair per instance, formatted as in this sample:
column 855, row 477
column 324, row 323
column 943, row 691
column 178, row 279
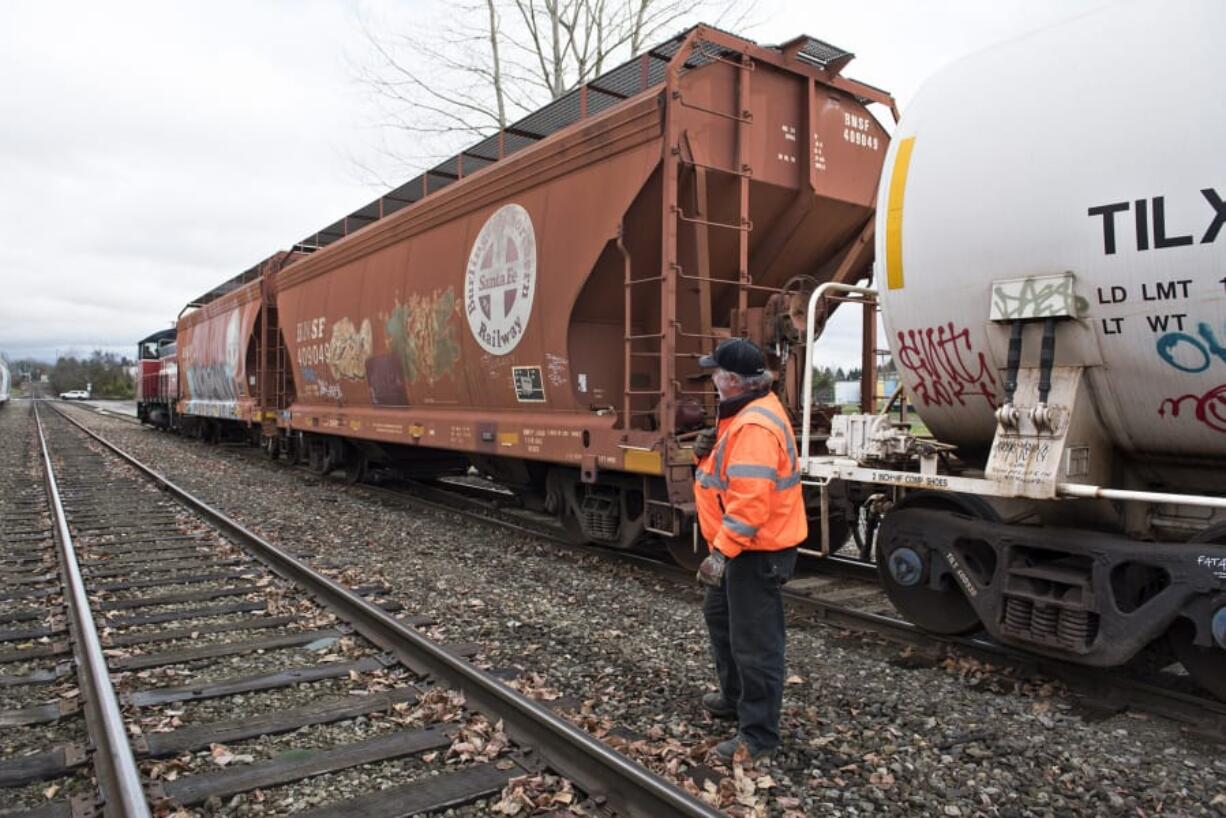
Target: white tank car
column 1051, row 269
column 5, row 380
column 1092, row 148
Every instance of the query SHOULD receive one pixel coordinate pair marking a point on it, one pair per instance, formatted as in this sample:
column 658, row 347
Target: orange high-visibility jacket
column 747, row 490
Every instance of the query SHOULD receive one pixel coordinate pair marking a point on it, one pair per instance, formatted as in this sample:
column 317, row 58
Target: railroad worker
column 752, row 515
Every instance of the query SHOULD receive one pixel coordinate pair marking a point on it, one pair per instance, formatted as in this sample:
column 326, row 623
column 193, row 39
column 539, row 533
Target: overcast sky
column 151, row 150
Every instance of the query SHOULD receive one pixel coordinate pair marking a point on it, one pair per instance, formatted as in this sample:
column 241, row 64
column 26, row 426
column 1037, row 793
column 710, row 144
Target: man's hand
column 704, row 443
column 711, row 572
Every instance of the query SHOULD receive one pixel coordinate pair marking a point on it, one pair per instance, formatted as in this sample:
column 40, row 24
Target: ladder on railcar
column 274, row 368
column 654, row 407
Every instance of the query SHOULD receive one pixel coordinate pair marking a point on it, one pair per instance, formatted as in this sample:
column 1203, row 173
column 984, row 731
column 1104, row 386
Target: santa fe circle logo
column 501, row 280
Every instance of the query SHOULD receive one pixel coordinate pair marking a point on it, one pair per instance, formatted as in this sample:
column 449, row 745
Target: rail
column 114, row 764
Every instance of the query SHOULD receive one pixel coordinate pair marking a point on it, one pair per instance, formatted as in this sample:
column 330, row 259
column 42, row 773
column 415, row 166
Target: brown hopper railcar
column 535, row 306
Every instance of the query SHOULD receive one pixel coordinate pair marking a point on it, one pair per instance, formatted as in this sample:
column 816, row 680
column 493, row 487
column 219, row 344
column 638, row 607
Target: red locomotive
column 157, row 378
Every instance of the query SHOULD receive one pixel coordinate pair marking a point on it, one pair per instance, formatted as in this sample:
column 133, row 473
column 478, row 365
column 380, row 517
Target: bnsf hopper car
column 536, row 306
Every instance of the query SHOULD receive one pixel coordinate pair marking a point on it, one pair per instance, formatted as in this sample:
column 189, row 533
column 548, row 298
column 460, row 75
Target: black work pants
column 745, row 620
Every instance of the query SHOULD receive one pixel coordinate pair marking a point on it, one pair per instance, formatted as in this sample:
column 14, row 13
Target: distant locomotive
column 157, row 379
column 6, row 381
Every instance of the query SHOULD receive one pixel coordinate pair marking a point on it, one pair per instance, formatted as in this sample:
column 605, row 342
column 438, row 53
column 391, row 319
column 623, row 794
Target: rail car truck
column 1051, row 282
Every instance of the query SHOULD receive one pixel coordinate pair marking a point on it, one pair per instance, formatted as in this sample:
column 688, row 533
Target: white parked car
column 75, row 394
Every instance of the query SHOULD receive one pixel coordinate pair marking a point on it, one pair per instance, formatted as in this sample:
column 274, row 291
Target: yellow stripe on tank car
column 893, row 216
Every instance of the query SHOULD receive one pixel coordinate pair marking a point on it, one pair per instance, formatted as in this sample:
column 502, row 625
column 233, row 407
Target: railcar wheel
column 357, row 464
column 1206, row 666
column 904, row 571
column 293, row 449
column 317, row 457
column 683, row 552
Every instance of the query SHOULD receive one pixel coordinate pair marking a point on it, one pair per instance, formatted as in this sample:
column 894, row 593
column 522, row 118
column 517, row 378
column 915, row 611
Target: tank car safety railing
column 118, row 777
column 824, row 290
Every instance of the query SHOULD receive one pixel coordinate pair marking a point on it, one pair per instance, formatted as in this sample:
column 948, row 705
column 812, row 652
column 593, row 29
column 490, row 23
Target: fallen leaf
column 221, row 754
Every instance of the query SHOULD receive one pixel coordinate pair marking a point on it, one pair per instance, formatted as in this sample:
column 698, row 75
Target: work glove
column 704, row 443
column 711, row 572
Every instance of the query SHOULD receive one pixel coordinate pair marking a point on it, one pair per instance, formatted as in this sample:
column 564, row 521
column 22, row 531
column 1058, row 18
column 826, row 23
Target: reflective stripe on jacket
column 747, row 490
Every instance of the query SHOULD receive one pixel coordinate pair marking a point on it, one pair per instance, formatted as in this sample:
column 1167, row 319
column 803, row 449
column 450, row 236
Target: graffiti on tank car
column 422, row 334
column 947, row 369
column 1038, row 297
column 1190, row 353
column 1209, row 407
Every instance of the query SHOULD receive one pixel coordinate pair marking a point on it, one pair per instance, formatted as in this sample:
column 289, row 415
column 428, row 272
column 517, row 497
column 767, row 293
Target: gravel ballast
column 864, row 732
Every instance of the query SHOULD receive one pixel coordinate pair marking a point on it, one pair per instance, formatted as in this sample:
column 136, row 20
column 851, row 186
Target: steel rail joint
column 595, row 767
column 119, row 779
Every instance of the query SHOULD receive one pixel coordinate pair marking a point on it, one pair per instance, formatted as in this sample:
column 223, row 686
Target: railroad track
column 213, row 664
column 846, row 593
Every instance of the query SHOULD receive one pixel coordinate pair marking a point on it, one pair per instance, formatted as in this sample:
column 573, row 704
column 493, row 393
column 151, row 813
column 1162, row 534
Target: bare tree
column 453, row 80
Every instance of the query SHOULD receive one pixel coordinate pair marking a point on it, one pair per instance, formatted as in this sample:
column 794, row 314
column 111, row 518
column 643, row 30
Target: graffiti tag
column 1210, row 408
column 1189, row 353
column 1036, row 297
column 949, row 371
column 1215, row 565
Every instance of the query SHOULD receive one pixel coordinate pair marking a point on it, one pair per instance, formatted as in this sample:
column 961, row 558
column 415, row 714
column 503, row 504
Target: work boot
column 725, row 751
column 718, row 706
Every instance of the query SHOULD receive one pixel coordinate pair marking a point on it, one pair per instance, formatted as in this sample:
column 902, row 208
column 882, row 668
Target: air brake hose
column 1047, row 358
column 1015, row 360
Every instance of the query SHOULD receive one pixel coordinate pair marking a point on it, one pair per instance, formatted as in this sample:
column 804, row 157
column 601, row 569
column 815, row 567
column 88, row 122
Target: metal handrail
column 118, row 777
column 810, row 341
